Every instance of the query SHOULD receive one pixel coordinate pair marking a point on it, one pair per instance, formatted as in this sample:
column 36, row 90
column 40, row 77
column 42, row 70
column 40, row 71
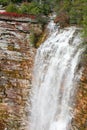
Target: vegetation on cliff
column 29, row 8
column 76, row 10
column 69, row 12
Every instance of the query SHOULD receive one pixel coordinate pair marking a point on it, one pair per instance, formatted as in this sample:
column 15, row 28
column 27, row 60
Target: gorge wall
column 80, row 120
column 16, row 64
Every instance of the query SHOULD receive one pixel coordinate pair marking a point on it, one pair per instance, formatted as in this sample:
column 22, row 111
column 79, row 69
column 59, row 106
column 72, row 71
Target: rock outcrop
column 16, row 62
column 62, row 19
column 80, row 119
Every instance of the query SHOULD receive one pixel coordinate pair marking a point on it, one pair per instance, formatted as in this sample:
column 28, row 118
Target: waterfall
column 55, row 77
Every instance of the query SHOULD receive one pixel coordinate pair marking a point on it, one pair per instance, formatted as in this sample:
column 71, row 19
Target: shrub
column 42, row 19
column 33, row 39
column 85, row 27
column 12, row 8
column 35, row 8
column 23, row 8
column 29, row 8
column 4, row 2
column 46, row 9
column 73, row 16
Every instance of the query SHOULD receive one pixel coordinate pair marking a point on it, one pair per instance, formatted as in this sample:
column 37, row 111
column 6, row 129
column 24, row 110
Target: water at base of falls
column 55, row 79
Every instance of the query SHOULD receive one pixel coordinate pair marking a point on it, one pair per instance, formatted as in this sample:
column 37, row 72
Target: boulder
column 62, row 19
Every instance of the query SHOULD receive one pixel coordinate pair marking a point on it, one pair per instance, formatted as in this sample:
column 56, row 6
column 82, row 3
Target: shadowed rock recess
column 16, row 62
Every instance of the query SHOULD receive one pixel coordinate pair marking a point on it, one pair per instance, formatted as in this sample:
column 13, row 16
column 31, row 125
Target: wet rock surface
column 16, row 63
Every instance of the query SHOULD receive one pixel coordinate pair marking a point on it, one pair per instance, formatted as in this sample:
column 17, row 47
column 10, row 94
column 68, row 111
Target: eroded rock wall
column 80, row 119
column 16, row 63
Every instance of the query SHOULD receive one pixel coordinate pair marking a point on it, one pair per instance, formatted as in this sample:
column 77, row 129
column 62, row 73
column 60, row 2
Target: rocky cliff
column 16, row 62
column 80, row 119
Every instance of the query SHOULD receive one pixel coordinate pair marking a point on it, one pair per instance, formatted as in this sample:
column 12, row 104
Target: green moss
column 33, row 39
column 41, row 39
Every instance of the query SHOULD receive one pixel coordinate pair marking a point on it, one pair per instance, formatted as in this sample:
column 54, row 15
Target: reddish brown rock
column 62, row 19
column 80, row 119
column 16, row 63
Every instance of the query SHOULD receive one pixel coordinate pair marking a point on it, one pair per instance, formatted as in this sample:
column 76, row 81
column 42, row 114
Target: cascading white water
column 55, row 78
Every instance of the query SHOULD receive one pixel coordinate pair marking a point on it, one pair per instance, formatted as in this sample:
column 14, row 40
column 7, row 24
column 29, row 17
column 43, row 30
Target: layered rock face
column 80, row 119
column 16, row 63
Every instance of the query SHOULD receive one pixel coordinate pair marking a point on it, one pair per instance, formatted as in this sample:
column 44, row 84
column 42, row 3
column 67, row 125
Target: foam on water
column 55, row 79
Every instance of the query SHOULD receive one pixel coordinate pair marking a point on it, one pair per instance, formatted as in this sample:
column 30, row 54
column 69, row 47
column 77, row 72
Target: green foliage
column 4, row 2
column 34, row 8
column 12, row 8
column 42, row 19
column 33, row 39
column 76, row 10
column 28, row 7
column 16, row 1
column 66, row 5
column 84, row 27
column 23, row 8
column 45, row 8
column 80, row 7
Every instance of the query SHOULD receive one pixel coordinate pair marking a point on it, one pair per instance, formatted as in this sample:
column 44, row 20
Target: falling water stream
column 55, row 77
